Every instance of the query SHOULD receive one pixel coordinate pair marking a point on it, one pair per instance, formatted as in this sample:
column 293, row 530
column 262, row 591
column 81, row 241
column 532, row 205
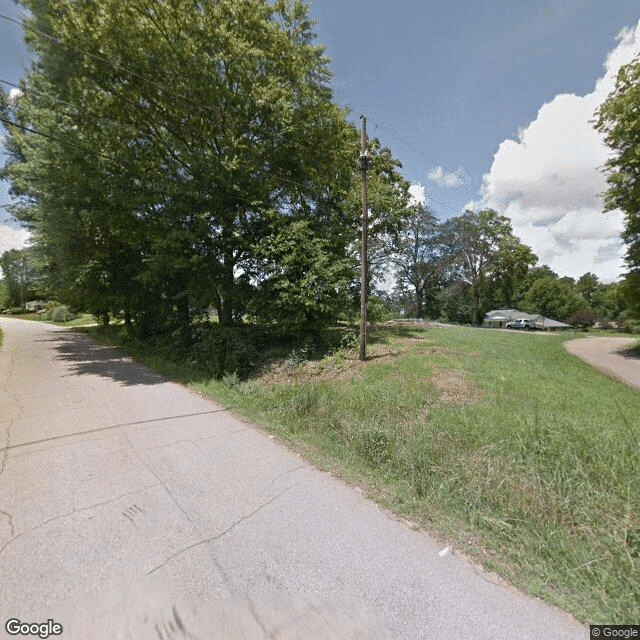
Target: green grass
column 535, row 471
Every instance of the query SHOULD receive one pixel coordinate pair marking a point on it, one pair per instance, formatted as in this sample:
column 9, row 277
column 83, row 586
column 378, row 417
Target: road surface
column 128, row 501
column 612, row 356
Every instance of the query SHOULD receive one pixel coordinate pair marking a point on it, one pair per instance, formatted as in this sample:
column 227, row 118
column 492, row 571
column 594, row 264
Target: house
column 548, row 324
column 498, row 319
column 34, row 305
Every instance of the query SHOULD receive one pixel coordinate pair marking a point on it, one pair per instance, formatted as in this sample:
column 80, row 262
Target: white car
column 521, row 323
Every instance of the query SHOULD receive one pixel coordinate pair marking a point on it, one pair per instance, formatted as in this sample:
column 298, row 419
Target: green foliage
column 304, row 278
column 160, row 178
column 5, row 295
column 553, row 298
column 630, row 291
column 618, row 119
column 223, row 351
column 582, row 318
column 23, row 280
column 379, row 309
column 632, row 326
column 62, row 314
column 491, row 260
column 419, row 254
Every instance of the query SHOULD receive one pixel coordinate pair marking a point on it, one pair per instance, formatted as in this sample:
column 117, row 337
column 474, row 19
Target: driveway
column 612, row 356
column 130, row 502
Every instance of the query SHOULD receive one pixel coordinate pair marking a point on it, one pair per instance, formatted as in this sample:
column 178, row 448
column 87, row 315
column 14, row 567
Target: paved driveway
column 128, row 500
column 612, row 356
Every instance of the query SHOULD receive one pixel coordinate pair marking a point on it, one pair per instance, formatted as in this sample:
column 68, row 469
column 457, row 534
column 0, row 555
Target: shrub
column 16, row 311
column 61, row 314
column 224, row 351
column 632, row 326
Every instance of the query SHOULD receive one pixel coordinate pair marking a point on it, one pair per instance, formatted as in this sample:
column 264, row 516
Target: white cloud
column 549, row 181
column 444, row 178
column 12, row 237
column 416, row 191
column 14, row 93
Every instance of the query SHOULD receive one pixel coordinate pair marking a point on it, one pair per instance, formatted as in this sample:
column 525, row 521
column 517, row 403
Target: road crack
column 219, row 535
column 9, row 518
column 70, row 513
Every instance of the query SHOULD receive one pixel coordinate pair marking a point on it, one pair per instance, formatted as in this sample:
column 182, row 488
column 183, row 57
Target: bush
column 224, row 351
column 61, row 314
column 632, row 326
column 16, row 311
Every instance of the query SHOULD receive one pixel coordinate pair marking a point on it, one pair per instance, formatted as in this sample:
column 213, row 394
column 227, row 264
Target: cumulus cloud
column 416, row 192
column 14, row 93
column 444, row 178
column 549, row 181
column 12, row 237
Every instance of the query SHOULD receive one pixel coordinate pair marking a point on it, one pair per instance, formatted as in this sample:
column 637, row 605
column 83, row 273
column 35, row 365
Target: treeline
column 461, row 268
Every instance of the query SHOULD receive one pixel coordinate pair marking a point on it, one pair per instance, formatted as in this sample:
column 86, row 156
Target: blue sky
column 493, row 98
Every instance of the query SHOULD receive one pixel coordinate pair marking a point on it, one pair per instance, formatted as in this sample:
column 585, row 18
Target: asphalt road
column 133, row 507
column 612, row 356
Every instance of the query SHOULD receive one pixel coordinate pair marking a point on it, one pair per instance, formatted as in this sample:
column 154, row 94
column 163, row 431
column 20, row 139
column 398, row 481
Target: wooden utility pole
column 363, row 163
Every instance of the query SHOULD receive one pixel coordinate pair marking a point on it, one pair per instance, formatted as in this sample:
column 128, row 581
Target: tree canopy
column 491, row 259
column 159, row 149
column 618, row 118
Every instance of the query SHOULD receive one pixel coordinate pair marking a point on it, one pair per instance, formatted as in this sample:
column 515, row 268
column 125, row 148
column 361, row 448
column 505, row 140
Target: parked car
column 521, row 323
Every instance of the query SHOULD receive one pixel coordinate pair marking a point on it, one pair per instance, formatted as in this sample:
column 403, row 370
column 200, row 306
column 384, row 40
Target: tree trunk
column 419, row 298
column 225, row 312
column 184, row 320
column 476, row 310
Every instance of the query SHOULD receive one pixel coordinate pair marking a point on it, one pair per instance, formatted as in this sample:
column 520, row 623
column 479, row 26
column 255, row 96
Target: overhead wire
column 190, row 100
column 134, row 74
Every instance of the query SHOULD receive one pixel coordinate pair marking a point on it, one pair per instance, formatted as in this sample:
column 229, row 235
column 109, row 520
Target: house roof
column 501, row 315
column 549, row 322
column 506, row 315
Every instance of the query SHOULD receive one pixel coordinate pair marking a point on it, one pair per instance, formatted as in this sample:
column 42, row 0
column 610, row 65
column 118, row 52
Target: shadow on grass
column 381, row 335
column 87, row 356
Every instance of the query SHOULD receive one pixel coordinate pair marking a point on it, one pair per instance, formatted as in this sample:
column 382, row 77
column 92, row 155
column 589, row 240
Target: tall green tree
column 587, row 286
column 419, row 256
column 618, row 118
column 22, row 276
column 553, row 297
column 174, row 139
column 491, row 260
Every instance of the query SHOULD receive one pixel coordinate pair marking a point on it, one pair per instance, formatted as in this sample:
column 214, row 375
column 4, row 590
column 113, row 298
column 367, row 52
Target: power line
column 464, row 178
column 163, row 87
column 118, row 67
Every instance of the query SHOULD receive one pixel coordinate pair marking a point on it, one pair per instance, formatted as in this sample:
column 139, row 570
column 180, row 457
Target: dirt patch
column 345, row 365
column 340, row 367
column 453, row 388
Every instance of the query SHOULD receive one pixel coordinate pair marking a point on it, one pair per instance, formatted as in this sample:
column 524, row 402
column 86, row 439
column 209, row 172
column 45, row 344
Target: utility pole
column 363, row 164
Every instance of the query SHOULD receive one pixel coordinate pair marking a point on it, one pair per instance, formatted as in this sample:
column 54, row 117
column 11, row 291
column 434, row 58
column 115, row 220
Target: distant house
column 34, row 305
column 499, row 318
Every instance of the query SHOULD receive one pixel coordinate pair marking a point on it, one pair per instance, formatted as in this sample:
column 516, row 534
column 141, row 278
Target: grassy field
column 501, row 443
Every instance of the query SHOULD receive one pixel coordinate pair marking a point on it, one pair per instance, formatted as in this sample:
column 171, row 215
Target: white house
column 498, row 318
